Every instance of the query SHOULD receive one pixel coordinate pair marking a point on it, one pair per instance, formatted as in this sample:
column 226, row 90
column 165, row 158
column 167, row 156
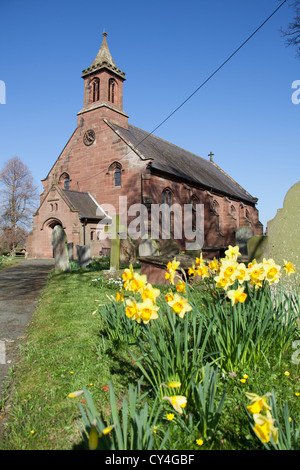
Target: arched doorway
column 48, row 227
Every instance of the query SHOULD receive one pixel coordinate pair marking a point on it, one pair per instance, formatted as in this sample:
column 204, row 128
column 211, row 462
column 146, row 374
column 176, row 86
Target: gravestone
column 243, row 234
column 169, row 247
column 70, row 251
column 128, row 250
column 258, row 248
column 83, row 255
column 284, row 231
column 60, row 250
column 148, row 247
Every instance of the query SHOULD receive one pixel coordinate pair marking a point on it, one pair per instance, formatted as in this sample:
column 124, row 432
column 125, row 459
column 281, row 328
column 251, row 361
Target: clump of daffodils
column 263, row 421
column 228, row 274
column 231, row 276
column 147, row 309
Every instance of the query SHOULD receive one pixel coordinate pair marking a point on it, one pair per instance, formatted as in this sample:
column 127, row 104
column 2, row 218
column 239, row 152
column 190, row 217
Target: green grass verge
column 62, row 353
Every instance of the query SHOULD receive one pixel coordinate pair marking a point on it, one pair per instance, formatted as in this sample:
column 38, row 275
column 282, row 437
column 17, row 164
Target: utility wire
column 207, row 80
column 214, row 73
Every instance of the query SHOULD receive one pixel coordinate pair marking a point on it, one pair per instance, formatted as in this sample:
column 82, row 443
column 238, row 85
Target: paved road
column 20, row 290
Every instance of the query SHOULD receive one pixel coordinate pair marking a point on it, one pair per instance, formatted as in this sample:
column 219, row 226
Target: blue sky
column 166, row 48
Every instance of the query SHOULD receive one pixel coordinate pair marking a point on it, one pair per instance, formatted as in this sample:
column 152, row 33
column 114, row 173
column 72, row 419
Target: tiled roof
column 175, row 161
column 84, row 203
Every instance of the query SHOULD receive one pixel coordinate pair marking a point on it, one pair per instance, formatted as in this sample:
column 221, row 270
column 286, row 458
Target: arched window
column 111, row 90
column 194, row 202
column 96, row 89
column 66, row 182
column 117, row 176
column 166, row 197
column 166, row 221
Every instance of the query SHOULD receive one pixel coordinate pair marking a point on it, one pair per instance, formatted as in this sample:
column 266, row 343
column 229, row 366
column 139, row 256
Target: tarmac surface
column 21, row 286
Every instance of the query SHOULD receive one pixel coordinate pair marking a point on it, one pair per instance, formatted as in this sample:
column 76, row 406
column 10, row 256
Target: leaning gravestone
column 284, row 231
column 83, row 255
column 70, row 251
column 258, row 248
column 243, row 234
column 60, row 249
column 148, row 247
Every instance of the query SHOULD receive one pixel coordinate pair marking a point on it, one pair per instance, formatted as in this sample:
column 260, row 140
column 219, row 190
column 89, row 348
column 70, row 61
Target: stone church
column 106, row 158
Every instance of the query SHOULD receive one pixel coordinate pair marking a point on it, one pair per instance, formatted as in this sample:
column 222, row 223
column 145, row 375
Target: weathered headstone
column 169, row 247
column 258, row 248
column 60, row 250
column 148, row 247
column 83, row 255
column 284, row 231
column 243, row 234
column 128, row 250
column 70, row 251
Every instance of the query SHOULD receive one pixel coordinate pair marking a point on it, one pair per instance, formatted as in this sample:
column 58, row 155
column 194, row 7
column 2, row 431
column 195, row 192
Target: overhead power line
column 214, row 73
column 207, row 80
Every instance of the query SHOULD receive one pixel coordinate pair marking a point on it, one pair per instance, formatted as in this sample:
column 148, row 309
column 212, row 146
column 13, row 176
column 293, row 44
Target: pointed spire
column 104, row 59
column 104, row 55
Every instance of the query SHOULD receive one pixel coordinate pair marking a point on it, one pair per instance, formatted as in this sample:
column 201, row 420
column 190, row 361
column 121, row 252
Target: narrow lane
column 21, row 286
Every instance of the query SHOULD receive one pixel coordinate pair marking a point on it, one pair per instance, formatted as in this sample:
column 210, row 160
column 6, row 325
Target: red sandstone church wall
column 222, row 215
column 53, row 211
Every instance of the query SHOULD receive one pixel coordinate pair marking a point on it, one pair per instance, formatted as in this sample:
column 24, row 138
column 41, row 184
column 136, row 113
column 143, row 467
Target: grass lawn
column 62, row 353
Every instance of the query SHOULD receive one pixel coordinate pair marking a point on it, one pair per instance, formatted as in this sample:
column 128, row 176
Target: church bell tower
column 103, row 87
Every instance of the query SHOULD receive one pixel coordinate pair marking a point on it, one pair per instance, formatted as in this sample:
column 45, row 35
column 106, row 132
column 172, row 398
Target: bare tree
column 292, row 33
column 19, row 197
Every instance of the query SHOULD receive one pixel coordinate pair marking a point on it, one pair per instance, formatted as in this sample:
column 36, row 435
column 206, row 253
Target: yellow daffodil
column 289, row 268
column 228, row 269
column 272, row 271
column 242, row 274
column 137, row 283
column 172, row 384
column 237, row 295
column 146, row 311
column 202, row 271
column 200, row 261
column 222, row 282
column 192, row 270
column 93, row 438
column 264, row 427
column 128, row 274
column 150, row 292
column 120, row 296
column 180, row 305
column 107, row 430
column 213, row 265
column 258, row 404
column 232, row 252
column 180, row 286
column 178, row 402
column 172, row 267
column 75, row 394
column 131, row 310
column 256, row 273
column 169, row 296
